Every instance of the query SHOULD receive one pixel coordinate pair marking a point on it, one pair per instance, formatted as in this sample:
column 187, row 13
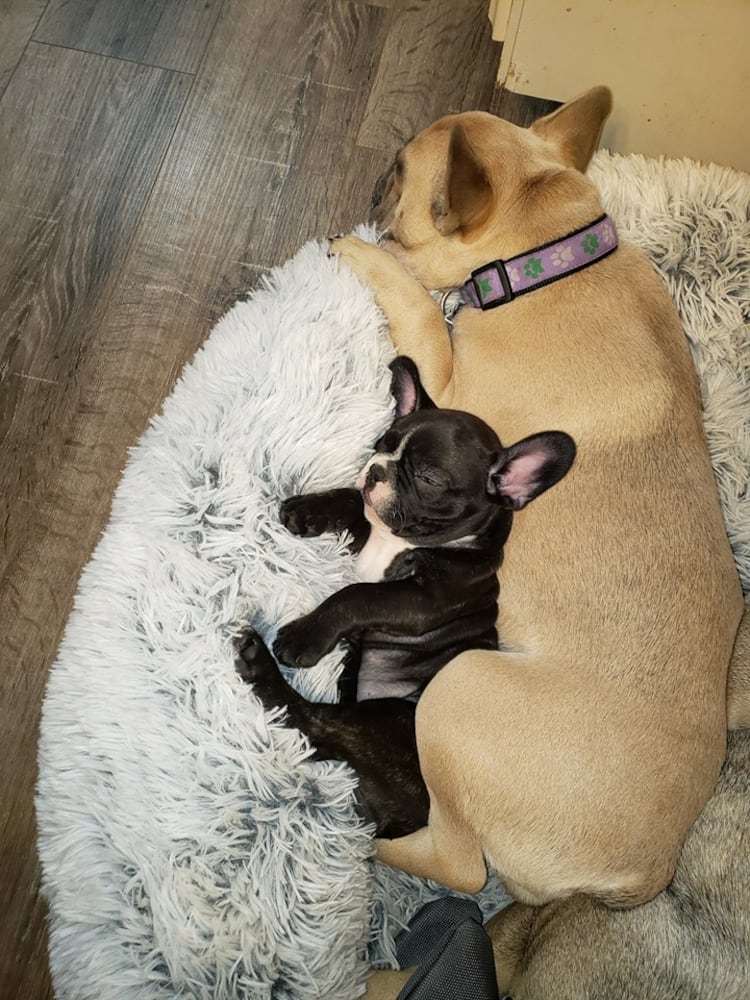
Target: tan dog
column 576, row 760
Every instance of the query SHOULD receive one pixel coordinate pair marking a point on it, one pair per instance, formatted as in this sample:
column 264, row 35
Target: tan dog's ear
column 466, row 196
column 576, row 127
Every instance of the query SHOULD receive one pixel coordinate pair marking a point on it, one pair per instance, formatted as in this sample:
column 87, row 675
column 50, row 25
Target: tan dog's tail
column 738, row 685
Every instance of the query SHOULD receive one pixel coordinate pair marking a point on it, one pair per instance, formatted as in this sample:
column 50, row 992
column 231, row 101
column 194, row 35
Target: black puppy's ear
column 530, row 467
column 407, row 388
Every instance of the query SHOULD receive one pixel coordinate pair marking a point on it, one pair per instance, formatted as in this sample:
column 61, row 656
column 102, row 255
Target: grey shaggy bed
column 190, row 847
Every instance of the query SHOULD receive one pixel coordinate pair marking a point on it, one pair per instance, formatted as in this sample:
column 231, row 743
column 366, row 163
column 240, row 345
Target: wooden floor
column 155, row 158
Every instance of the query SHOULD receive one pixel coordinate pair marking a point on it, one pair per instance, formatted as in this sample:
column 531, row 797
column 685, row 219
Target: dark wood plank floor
column 155, row 158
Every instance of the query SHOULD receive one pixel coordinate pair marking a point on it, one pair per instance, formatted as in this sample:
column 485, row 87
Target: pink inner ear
column 407, row 398
column 520, row 476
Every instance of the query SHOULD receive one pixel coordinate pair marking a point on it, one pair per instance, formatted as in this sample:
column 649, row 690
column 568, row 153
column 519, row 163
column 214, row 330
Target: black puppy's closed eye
column 431, row 478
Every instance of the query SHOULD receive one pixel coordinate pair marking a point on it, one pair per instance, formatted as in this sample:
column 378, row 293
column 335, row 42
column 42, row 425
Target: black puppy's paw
column 314, row 513
column 253, row 660
column 300, row 644
column 404, row 565
column 305, row 515
column 247, row 638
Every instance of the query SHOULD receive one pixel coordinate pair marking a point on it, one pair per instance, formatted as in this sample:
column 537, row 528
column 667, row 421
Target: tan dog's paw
column 365, row 259
column 338, row 244
column 415, row 321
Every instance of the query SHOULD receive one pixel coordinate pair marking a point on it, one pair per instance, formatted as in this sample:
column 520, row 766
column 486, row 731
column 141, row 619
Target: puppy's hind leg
column 256, row 666
column 333, row 729
column 337, row 731
column 376, row 738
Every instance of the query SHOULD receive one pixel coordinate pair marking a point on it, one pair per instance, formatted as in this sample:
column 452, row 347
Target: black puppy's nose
column 375, row 474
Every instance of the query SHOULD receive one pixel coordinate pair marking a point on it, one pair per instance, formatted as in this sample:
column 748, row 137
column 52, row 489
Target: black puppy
column 428, row 518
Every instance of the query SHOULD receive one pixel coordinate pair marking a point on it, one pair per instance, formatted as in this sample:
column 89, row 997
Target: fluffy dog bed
column 190, row 847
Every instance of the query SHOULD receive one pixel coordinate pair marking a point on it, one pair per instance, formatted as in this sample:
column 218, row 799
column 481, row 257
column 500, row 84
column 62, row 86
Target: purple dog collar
column 500, row 281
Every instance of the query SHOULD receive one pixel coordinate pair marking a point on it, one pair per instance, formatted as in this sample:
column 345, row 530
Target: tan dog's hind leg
column 509, row 804
column 417, row 327
column 738, row 686
column 446, row 851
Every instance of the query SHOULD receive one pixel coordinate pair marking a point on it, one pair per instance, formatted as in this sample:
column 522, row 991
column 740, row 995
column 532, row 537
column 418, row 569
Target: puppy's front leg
column 407, row 607
column 339, row 510
column 416, row 323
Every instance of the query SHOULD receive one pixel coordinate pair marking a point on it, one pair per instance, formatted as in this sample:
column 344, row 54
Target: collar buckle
column 488, row 287
column 492, row 298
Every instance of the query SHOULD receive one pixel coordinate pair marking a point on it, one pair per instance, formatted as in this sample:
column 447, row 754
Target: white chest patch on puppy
column 380, row 550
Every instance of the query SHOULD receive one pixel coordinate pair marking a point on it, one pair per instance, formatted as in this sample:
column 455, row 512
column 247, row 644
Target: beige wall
column 679, row 69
